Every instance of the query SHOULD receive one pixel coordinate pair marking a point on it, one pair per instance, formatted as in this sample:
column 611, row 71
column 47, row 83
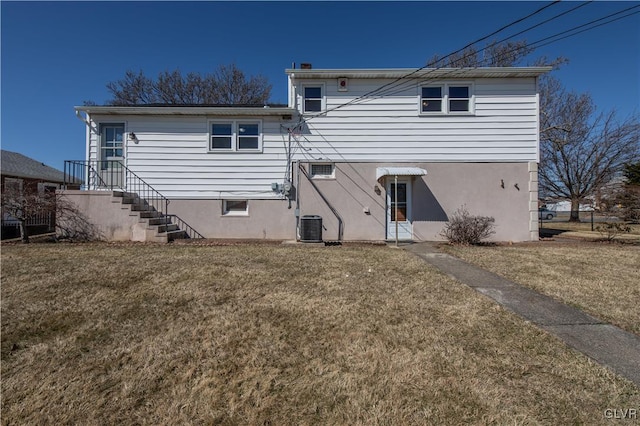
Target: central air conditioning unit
column 311, row 229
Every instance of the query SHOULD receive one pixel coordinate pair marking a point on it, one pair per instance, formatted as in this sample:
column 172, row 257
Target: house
column 357, row 154
column 18, row 174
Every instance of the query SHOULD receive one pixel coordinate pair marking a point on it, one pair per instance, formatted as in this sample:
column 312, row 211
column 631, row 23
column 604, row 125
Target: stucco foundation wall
column 352, row 205
column 267, row 219
column 110, row 220
column 502, row 190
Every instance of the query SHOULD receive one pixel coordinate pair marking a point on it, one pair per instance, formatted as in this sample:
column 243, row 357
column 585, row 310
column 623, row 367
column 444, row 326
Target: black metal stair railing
column 112, row 175
column 184, row 226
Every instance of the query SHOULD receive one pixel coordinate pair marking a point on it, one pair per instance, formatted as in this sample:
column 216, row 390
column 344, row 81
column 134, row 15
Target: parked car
column 544, row 213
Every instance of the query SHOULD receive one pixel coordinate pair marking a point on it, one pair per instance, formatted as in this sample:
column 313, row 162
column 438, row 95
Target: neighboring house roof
column 493, row 72
column 18, row 165
column 188, row 110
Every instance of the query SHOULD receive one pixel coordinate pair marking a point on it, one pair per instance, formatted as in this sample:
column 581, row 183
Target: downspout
column 297, row 211
column 87, row 121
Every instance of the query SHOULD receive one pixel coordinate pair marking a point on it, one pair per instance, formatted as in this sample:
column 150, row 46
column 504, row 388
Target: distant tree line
column 228, row 85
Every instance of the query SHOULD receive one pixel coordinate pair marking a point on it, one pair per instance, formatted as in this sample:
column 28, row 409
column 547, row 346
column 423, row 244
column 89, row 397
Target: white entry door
column 399, row 208
column 111, row 155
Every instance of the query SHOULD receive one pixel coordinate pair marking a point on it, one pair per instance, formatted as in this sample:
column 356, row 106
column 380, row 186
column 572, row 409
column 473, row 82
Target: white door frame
column 405, row 227
column 112, row 174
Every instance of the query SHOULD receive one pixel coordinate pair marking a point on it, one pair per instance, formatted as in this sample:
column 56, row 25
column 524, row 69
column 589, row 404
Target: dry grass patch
column 274, row 335
column 600, row 278
column 583, row 230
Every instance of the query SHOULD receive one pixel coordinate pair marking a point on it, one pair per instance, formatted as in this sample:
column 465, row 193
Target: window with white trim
column 446, row 99
column 313, row 98
column 323, row 171
column 235, row 135
column 235, row 207
column 459, row 99
column 431, row 100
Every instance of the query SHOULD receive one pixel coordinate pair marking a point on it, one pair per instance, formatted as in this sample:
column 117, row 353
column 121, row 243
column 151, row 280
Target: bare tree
column 133, row 89
column 231, row 87
column 506, row 54
column 580, row 150
column 494, row 54
column 227, row 85
column 468, row 57
column 72, row 224
column 23, row 201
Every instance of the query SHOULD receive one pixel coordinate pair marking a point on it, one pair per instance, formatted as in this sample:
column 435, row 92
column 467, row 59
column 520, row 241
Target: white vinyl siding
column 503, row 126
column 172, row 155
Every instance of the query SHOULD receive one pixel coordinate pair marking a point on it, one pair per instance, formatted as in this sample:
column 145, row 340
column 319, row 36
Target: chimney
column 305, row 66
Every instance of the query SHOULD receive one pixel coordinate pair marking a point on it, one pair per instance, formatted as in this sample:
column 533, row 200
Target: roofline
column 486, row 72
column 25, row 175
column 187, row 110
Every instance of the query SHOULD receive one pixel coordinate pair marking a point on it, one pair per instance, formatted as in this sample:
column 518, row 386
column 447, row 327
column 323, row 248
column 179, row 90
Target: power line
column 385, row 90
column 589, row 23
column 450, row 54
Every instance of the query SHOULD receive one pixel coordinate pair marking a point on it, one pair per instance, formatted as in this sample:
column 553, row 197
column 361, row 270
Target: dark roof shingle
column 18, row 165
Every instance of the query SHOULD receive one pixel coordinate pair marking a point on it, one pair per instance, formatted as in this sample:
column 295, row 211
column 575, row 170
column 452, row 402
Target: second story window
column 431, row 99
column 458, row 98
column 235, row 136
column 446, row 99
column 312, row 98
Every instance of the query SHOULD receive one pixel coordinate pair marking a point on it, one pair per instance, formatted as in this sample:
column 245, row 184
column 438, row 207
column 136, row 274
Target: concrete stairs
column 152, row 225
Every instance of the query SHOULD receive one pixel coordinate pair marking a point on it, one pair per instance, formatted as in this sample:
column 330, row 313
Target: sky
column 55, row 55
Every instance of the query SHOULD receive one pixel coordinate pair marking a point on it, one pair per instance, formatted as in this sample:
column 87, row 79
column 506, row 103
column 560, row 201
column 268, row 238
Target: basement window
column 235, row 207
column 323, row 171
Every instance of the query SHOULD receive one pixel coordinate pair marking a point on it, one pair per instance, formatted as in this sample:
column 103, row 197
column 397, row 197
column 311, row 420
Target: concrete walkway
column 609, row 345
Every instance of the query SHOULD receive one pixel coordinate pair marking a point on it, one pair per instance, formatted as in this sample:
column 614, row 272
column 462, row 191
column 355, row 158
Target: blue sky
column 55, row 55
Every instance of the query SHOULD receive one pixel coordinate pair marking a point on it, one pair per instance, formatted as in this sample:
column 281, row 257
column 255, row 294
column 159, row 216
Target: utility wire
column 534, row 45
column 386, row 90
column 450, row 54
column 478, row 63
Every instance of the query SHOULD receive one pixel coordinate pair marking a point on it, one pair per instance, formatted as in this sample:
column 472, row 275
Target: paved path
column 609, row 345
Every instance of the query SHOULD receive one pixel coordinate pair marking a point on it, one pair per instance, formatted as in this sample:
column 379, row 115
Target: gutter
column 188, row 110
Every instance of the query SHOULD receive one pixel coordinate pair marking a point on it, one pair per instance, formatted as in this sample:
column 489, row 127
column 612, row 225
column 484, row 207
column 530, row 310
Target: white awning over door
column 381, row 172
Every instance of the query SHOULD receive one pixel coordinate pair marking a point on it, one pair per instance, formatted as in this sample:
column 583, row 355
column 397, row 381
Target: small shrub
column 463, row 228
column 610, row 230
